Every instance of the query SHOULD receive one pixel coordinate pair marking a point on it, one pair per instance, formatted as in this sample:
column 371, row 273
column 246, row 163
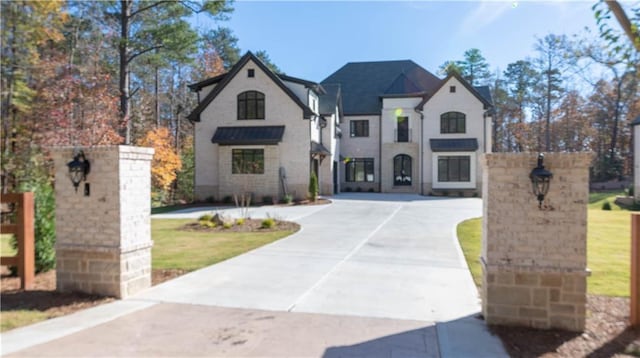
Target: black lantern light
column 79, row 167
column 540, row 180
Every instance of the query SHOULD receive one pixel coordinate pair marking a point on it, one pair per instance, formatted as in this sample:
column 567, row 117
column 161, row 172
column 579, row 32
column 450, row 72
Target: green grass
column 608, row 248
column 189, row 250
column 19, row 318
column 470, row 237
column 6, row 249
column 597, row 199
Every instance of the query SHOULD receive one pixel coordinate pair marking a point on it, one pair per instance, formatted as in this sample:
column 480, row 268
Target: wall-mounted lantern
column 540, row 180
column 79, row 167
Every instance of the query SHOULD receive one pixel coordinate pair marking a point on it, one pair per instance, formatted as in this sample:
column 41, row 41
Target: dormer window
column 251, row 73
column 251, row 105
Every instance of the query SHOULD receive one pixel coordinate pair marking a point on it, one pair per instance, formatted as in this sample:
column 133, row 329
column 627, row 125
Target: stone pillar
column 535, row 261
column 103, row 243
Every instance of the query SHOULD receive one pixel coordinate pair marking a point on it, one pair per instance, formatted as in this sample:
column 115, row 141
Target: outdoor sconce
column 79, row 167
column 540, row 180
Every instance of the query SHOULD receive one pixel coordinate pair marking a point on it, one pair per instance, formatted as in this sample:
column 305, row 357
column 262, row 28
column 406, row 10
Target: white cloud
column 484, row 14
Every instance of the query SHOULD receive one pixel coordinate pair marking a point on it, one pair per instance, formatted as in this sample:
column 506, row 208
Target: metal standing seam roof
column 248, row 135
column 454, row 145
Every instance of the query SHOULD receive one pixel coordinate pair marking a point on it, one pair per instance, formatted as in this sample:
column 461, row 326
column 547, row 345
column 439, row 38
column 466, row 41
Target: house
column 388, row 126
column 263, row 133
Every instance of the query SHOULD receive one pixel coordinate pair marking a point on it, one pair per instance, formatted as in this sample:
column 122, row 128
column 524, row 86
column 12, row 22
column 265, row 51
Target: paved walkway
column 369, row 275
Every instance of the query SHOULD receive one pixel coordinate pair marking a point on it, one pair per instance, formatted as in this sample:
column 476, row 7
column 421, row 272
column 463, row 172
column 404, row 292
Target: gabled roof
column 454, row 145
column 224, row 79
column 362, row 83
column 482, row 93
column 316, row 87
column 247, row 135
column 402, row 85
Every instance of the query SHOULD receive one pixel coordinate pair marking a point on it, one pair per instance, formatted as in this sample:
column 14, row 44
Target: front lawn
column 608, row 249
column 191, row 250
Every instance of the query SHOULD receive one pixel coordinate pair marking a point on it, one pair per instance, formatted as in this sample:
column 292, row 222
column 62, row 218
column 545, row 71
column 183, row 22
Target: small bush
column 313, row 186
column 268, row 223
column 240, row 221
column 359, row 189
column 630, row 190
column 475, row 194
column 287, row 199
column 606, row 206
column 205, row 217
column 461, row 194
column 227, row 199
column 227, row 225
column 267, row 199
column 348, row 189
column 210, row 199
column 207, row 223
column 371, row 190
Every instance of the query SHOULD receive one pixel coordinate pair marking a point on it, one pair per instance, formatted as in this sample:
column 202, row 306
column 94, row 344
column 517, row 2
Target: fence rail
column 24, row 233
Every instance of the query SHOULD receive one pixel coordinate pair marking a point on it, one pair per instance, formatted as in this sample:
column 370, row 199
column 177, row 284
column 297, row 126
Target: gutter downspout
column 380, row 153
column 421, row 153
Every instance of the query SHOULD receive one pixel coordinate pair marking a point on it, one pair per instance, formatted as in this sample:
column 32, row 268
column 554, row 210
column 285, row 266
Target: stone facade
column 535, row 261
column 103, row 243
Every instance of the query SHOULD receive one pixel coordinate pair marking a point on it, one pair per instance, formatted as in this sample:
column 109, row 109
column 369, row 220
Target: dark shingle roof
column 484, row 92
column 362, row 83
column 454, row 145
column 402, row 85
column 248, row 135
column 636, row 121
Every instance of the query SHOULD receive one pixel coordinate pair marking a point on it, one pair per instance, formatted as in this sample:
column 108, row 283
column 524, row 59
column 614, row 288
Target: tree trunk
column 125, row 14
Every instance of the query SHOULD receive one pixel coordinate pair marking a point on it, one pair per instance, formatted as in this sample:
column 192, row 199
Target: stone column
column 535, row 261
column 103, row 243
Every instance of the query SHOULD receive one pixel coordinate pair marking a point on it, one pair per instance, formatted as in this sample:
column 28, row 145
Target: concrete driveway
column 381, row 269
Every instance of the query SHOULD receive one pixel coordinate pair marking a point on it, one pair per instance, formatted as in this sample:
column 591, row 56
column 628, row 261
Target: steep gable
column 222, row 81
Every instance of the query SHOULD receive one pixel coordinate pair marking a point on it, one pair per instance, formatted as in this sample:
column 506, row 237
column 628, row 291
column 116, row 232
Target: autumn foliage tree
column 166, row 162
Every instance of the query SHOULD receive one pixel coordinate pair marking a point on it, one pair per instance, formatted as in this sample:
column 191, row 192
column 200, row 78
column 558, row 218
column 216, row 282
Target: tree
column 630, row 26
column 520, row 78
column 474, row 68
column 157, row 30
column 552, row 60
column 166, row 161
column 264, row 57
column 224, row 43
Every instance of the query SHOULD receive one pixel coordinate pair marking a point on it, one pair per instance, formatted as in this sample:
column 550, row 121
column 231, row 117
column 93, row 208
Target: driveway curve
column 370, row 255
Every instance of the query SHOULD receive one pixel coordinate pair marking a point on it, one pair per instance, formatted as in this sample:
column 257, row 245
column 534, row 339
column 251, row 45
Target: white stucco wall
column 361, row 147
column 280, row 109
column 476, row 127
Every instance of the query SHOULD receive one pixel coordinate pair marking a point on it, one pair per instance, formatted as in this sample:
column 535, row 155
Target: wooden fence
column 22, row 228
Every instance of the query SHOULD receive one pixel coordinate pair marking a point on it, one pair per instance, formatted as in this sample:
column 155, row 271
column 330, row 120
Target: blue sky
column 311, row 40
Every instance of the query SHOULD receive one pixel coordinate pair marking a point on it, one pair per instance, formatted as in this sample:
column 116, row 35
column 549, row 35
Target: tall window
column 453, row 122
column 359, row 170
column 247, row 161
column 359, row 128
column 402, row 170
column 454, row 168
column 403, row 129
column 251, row 105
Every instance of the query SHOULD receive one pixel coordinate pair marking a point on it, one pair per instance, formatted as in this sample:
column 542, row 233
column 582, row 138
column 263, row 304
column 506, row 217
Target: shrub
column 240, row 221
column 461, row 194
column 210, row 199
column 267, row 199
column 348, row 189
column 313, row 186
column 205, row 217
column 606, row 206
column 268, row 223
column 44, row 222
column 359, row 189
column 630, row 190
column 371, row 190
column 287, row 199
column 227, row 225
column 227, row 199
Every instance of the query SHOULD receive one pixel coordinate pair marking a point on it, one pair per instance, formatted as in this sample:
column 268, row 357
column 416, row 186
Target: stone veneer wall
column 103, row 243
column 535, row 261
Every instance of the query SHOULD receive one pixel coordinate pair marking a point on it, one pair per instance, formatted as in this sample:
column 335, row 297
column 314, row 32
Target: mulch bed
column 248, row 225
column 607, row 334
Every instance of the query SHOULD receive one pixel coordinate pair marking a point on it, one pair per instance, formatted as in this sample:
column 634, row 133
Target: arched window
column 402, row 170
column 251, row 105
column 453, row 122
